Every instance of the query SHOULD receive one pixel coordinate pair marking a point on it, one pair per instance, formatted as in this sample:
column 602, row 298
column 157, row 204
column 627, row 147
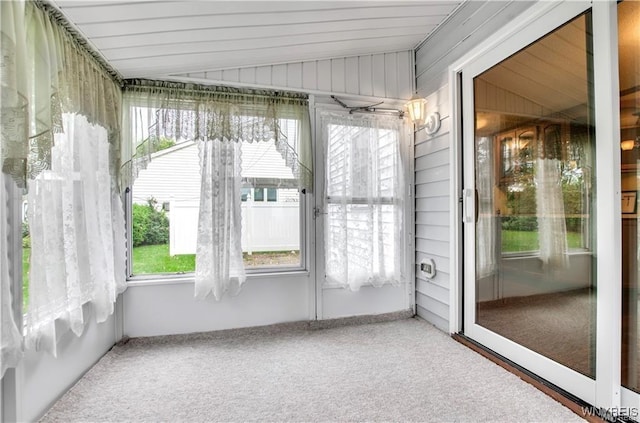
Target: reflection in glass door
column 629, row 72
column 534, row 228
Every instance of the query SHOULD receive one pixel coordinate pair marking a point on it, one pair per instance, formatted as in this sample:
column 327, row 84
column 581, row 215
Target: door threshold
column 573, row 403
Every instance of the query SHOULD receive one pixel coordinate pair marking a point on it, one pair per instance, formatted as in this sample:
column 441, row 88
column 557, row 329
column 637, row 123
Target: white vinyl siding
column 469, row 26
column 174, row 174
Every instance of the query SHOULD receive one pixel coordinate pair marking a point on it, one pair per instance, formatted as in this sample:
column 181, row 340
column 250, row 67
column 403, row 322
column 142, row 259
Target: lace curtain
column 155, row 110
column 45, row 72
column 11, row 338
column 77, row 236
column 486, row 225
column 219, row 266
column 364, row 193
column 552, row 230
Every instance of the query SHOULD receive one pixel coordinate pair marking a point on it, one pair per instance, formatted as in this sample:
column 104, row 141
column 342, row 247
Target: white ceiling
column 151, row 39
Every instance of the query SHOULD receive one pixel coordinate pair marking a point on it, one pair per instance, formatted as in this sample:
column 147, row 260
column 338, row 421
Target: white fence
column 265, row 226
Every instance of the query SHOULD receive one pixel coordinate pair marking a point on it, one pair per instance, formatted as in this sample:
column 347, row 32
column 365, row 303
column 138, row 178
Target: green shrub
column 519, row 223
column 150, row 224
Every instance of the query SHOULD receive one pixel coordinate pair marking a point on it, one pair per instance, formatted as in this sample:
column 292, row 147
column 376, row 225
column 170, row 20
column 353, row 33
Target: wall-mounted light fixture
column 630, row 144
column 627, row 145
column 417, row 108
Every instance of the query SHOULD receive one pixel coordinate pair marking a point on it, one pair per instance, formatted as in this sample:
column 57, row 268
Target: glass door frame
column 540, row 19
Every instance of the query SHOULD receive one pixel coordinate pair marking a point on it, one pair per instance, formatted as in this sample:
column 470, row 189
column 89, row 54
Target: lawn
column 514, row 241
column 150, row 259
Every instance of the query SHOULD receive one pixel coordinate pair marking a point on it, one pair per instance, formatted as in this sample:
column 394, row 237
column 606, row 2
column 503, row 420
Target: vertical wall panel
column 263, row 75
column 248, row 75
column 232, row 75
column 324, row 75
column 294, row 75
column 309, row 76
column 391, row 75
column 366, row 75
column 213, row 75
column 352, row 84
column 337, row 75
column 388, row 75
column 405, row 67
column 279, row 75
column 378, row 75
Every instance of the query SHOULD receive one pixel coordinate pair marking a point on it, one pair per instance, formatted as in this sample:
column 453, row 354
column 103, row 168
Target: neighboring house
column 174, row 175
column 270, row 207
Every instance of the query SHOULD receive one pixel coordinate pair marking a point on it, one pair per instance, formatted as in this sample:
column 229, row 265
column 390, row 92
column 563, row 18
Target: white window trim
column 188, row 277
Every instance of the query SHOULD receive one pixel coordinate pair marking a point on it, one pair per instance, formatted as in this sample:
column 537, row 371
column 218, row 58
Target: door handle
column 467, row 201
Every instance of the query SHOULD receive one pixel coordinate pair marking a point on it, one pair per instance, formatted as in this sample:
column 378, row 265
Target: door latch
column 317, row 211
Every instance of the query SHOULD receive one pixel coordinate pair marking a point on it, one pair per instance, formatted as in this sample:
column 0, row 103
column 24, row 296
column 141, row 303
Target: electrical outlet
column 428, row 267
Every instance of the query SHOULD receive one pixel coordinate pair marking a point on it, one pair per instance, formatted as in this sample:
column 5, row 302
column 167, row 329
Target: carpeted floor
column 560, row 326
column 404, row 370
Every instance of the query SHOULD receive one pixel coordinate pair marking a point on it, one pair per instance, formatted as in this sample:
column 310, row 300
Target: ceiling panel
column 155, row 38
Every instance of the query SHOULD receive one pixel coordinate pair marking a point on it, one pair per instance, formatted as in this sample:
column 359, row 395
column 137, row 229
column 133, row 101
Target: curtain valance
column 156, row 109
column 45, row 72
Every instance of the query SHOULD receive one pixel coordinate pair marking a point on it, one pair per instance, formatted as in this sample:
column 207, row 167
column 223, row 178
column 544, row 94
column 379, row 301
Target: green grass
column 155, row 259
column 516, row 241
column 150, row 259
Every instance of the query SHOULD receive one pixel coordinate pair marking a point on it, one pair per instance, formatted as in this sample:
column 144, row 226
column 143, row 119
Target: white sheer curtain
column 188, row 112
column 45, row 72
column 552, row 230
column 486, row 224
column 77, row 236
column 11, row 337
column 219, row 266
column 364, row 193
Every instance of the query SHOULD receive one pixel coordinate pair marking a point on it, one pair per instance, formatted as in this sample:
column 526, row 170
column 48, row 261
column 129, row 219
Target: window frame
column 406, row 144
column 303, row 266
column 251, row 272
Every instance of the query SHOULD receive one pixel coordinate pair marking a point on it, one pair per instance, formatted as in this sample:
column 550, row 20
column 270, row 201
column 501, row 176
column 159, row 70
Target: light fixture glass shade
column 417, row 108
column 627, row 145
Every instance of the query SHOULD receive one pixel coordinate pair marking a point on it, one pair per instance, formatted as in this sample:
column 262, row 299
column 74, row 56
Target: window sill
column 535, row 254
column 190, row 278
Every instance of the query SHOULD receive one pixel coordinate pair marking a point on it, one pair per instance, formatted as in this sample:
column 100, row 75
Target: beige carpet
column 560, row 326
column 404, row 370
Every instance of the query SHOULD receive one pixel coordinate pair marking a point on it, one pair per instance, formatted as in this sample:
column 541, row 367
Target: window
column 165, row 241
column 258, row 194
column 364, row 202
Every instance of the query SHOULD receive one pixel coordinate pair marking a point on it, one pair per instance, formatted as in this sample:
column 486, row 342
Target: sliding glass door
column 529, row 205
column 551, row 181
